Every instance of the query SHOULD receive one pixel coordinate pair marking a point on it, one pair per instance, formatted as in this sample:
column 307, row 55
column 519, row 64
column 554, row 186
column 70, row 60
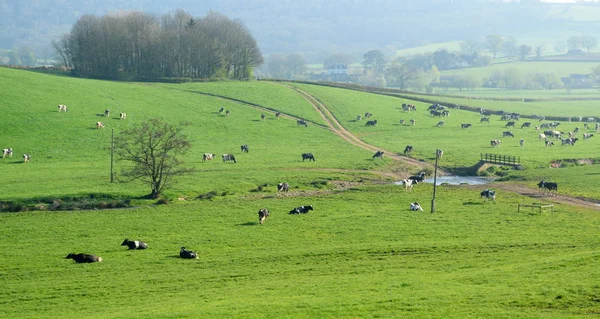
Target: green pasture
column 493, row 93
column 360, row 253
column 561, row 69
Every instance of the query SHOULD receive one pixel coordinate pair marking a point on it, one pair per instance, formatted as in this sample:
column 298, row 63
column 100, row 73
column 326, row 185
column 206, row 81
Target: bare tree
column 494, row 43
column 152, row 147
column 510, row 47
column 588, row 42
column 402, row 74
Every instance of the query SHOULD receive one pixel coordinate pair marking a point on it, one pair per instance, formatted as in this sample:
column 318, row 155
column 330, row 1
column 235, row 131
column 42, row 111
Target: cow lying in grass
column 84, row 258
column 62, row 108
column 187, row 254
column 301, row 209
column 134, row 244
column 99, row 125
column 415, row 206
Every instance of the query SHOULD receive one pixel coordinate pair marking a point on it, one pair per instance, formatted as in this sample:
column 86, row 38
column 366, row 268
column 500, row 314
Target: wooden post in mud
column 437, row 152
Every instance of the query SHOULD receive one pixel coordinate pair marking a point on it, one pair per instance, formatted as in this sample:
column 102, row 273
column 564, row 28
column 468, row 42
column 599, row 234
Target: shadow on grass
column 472, row 203
column 248, row 224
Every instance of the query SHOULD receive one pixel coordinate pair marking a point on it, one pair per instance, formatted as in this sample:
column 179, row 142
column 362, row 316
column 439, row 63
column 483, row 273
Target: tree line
column 137, row 45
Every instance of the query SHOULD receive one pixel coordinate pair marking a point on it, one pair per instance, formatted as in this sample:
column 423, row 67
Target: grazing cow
column 526, row 124
column 278, row 114
column 597, row 127
column 301, row 210
column 484, row 119
column 435, row 113
column 245, row 148
column 283, row 187
column 489, row 194
column 587, row 136
column 368, row 115
column 586, row 126
column 522, row 142
column 408, row 149
column 371, row 123
column 415, row 206
column 467, row 125
column 26, row 158
column 511, row 124
column 122, row 116
column 548, row 143
column 7, row 152
column 302, row 122
column 378, row 154
column 187, row 254
column 549, row 187
column 537, row 128
column 84, row 258
column 542, row 136
column 207, row 157
column 576, row 130
column 358, row 117
column 495, row 143
column 263, row 116
column 439, row 153
column 408, row 184
column 445, row 113
column 134, row 244
column 308, row 156
column 229, row 158
column 419, row 178
column 227, row 113
column 401, row 122
column 221, row 110
column 440, row 123
column 99, row 125
column 412, row 122
column 62, row 108
column 263, row 213
column 569, row 141
column 107, row 113
column 508, row 133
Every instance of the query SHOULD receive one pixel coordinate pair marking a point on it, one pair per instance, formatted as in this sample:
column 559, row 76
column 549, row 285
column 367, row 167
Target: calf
column 227, row 113
column 371, row 123
column 263, row 213
column 84, row 258
column 508, row 133
column 99, row 125
column 548, row 143
column 302, row 122
column 412, row 122
column 488, row 194
column 207, row 157
column 358, row 117
column 107, row 113
column 378, row 154
column 263, row 116
column 187, row 254
column 408, row 149
column 245, row 148
column 283, row 187
column 301, row 210
column 495, row 143
column 122, row 116
column 229, row 158
column 467, row 125
column 368, row 115
column 401, row 122
column 415, row 206
column 308, row 156
column 62, row 108
column 7, row 152
column 26, row 158
column 134, row 244
column 522, row 142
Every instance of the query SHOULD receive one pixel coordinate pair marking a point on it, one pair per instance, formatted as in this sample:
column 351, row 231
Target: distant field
column 430, row 48
column 531, row 94
column 561, row 69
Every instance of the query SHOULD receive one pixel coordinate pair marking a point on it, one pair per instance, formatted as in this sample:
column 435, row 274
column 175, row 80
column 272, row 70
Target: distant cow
column 439, row 153
column 221, row 110
column 26, row 158
column 408, row 149
column 467, row 125
column 484, row 119
column 488, row 194
column 99, row 125
column 587, row 136
column 495, row 143
column 302, row 122
column 549, row 187
column 308, row 156
column 84, row 258
column 207, row 157
column 371, row 123
column 522, row 142
column 416, row 206
column 134, row 244
column 283, row 187
column 263, row 116
column 358, row 117
column 542, row 136
column 419, row 178
column 229, row 158
column 301, row 209
column 245, row 148
column 440, row 123
column 227, row 113
column 368, row 115
column 378, row 154
column 278, row 114
column 187, row 254
column 412, row 122
column 107, row 113
column 508, row 133
column 263, row 213
column 62, row 108
column 401, row 122
column 408, row 184
column 510, row 124
column 526, row 124
column 548, row 143
column 122, row 116
column 7, row 152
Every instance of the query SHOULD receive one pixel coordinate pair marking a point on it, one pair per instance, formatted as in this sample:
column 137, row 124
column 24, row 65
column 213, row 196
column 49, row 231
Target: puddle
column 457, row 180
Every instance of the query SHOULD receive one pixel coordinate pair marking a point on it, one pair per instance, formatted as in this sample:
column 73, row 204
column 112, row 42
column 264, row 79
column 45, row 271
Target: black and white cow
column 526, row 124
column 488, row 194
column 263, row 214
column 548, row 187
column 466, row 125
column 107, row 113
column 419, row 178
column 7, row 152
column 62, row 108
column 508, row 133
column 408, row 149
column 277, row 114
column 263, row 116
column 187, row 254
column 221, row 110
column 371, row 123
column 84, row 258
column 484, row 119
column 408, row 184
column 308, row 156
column 439, row 153
column 416, row 206
column 302, row 122
column 358, row 117
column 134, row 244
column 207, row 157
column 283, row 187
column 26, row 158
column 548, row 142
column 301, row 210
column 229, row 158
column 510, row 124
column 495, row 143
column 378, row 154
column 368, row 115
column 587, row 136
column 245, row 148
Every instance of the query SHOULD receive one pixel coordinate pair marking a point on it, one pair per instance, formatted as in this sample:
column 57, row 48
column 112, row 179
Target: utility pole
column 112, row 149
column 437, row 152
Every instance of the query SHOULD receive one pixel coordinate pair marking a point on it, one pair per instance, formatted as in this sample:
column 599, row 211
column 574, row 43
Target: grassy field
column 349, row 258
column 360, row 253
column 483, row 93
column 561, row 69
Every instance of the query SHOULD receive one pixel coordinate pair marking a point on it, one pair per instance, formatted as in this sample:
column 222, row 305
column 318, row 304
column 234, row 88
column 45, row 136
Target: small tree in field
column 152, row 147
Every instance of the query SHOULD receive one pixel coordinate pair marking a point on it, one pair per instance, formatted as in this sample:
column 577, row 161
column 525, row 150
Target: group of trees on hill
column 138, row 45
